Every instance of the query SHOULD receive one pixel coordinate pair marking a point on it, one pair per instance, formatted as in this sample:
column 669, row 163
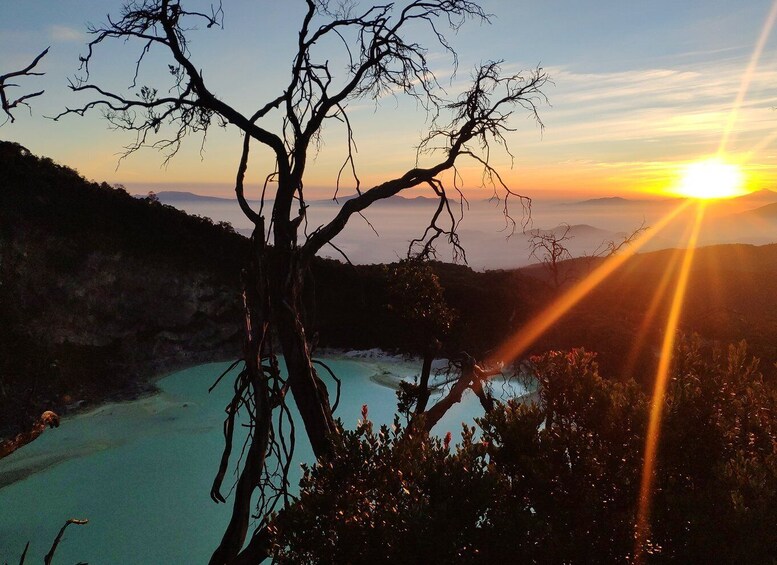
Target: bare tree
column 469, row 375
column 10, row 103
column 550, row 249
column 381, row 60
column 610, row 247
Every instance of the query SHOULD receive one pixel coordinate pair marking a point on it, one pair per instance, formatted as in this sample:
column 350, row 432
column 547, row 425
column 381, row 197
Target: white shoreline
column 387, row 369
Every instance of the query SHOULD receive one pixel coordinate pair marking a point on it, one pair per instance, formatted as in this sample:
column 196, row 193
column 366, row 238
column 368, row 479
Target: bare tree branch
column 479, row 117
column 610, row 247
column 9, row 104
column 50, row 555
column 472, row 376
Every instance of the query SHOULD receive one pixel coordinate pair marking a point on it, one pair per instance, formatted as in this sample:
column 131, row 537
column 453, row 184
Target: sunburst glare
column 710, row 179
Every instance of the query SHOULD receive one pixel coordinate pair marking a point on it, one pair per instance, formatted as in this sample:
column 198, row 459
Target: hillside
column 100, row 290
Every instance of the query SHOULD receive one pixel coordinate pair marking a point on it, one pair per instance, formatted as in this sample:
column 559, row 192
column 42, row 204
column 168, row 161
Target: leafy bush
column 557, row 481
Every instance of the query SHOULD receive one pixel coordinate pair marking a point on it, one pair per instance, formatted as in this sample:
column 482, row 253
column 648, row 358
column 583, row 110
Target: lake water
column 141, row 471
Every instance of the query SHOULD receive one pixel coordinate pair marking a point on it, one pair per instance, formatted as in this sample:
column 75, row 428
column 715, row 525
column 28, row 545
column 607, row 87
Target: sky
column 639, row 90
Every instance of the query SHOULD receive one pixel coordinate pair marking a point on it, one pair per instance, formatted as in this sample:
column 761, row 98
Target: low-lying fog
column 484, row 232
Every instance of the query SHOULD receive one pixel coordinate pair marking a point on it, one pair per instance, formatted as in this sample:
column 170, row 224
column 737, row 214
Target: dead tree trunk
column 254, row 380
column 310, row 393
column 472, row 376
column 426, row 369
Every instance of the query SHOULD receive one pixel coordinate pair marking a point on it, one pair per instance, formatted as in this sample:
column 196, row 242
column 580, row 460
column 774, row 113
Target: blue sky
column 640, row 88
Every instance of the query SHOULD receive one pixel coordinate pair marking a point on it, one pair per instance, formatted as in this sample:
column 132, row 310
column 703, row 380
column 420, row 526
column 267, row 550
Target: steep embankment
column 99, row 290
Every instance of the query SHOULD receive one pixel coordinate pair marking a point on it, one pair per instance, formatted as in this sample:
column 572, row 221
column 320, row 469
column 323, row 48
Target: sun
column 711, row 178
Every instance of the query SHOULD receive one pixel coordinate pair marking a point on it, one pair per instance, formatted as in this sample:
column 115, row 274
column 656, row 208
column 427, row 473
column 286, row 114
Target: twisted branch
column 9, row 104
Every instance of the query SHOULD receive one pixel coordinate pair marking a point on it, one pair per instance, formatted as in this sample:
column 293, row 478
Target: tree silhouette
column 550, row 249
column 9, row 104
column 418, row 300
column 382, row 59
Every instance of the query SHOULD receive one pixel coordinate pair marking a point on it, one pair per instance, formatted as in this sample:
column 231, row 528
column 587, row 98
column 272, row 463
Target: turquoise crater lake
column 141, row 471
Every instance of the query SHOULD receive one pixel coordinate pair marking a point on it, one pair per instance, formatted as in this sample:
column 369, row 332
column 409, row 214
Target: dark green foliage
column 557, row 481
column 389, row 496
column 346, row 306
column 349, row 307
column 418, row 299
column 576, row 458
column 717, row 498
column 731, row 296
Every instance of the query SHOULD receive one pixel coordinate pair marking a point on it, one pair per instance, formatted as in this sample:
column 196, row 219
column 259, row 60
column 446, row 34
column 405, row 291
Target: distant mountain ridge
column 179, row 196
column 581, row 229
column 767, row 212
column 762, row 195
column 171, row 196
column 759, row 196
column 616, row 200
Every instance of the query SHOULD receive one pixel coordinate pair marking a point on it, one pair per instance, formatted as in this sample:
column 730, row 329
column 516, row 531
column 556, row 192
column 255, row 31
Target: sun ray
column 642, row 532
column 652, row 310
column 510, row 349
column 747, row 77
